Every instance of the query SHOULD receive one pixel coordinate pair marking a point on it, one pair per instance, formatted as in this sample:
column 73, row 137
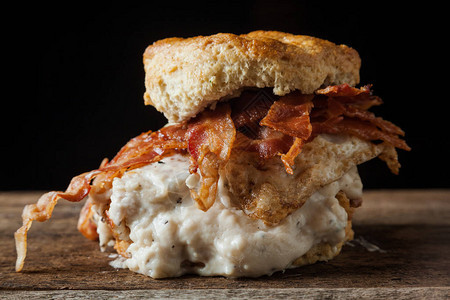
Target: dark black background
column 74, row 92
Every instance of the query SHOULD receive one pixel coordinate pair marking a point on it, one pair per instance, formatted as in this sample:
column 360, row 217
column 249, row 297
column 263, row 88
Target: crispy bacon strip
column 210, row 139
column 345, row 111
column 86, row 224
column 148, row 147
column 144, row 149
column 344, row 90
column 268, row 144
column 369, row 131
column 247, row 113
column 359, row 97
column 42, row 211
column 273, row 126
column 336, row 107
column 364, row 115
column 290, row 115
column 289, row 157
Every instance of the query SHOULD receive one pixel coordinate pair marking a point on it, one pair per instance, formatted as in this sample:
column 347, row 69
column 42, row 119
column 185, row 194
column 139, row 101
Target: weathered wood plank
column 411, row 227
column 401, row 207
column 202, row 294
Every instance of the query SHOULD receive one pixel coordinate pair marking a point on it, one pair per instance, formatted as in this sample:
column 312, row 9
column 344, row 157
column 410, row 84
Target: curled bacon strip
column 344, row 90
column 290, row 115
column 210, row 139
column 268, row 143
column 345, row 111
column 86, row 224
column 144, row 149
column 247, row 112
column 289, row 157
column 274, row 126
column 42, row 211
column 148, row 147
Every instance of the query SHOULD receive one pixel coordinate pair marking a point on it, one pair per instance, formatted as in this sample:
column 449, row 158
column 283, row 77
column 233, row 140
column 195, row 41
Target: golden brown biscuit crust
column 183, row 76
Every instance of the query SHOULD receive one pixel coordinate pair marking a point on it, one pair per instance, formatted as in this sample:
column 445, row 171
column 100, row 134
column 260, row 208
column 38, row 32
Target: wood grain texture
column 202, row 294
column 411, row 228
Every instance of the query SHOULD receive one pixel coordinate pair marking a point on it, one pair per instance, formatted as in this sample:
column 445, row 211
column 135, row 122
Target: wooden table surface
column 410, row 227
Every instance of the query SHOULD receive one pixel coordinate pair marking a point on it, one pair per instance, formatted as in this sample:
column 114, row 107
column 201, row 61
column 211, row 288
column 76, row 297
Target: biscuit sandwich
column 256, row 169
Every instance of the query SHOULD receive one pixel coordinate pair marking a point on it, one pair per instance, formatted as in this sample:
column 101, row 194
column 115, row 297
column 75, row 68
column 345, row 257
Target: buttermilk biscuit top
column 183, row 76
